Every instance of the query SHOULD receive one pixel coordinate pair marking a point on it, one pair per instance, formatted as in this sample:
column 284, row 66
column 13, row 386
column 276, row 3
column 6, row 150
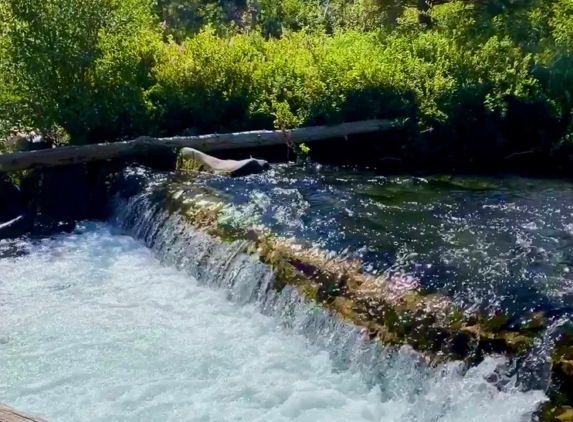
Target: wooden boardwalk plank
column 8, row 414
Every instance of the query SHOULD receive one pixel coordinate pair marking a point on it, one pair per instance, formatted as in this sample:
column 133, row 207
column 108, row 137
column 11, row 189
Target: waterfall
column 439, row 394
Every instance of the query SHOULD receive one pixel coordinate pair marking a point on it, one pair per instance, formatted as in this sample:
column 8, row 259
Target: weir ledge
column 390, row 315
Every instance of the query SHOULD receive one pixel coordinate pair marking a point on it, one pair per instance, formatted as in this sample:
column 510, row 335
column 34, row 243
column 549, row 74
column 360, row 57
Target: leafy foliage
column 298, row 79
column 81, row 65
column 111, row 69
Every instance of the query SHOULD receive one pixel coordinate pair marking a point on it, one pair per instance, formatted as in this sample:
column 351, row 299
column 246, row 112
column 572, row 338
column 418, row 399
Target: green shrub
column 212, row 83
column 81, row 64
column 108, row 70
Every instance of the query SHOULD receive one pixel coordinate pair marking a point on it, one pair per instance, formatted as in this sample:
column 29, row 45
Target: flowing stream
column 499, row 243
column 94, row 328
column 144, row 319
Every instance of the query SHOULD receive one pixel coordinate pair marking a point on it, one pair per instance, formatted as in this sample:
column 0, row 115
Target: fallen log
column 205, row 143
column 8, row 414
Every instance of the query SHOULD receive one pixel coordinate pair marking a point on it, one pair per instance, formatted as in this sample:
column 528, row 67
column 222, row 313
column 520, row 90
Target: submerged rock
column 565, row 414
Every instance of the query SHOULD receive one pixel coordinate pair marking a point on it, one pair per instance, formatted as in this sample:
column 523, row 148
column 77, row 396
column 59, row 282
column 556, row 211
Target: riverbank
column 474, row 96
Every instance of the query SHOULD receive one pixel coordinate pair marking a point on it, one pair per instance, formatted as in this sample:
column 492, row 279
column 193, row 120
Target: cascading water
column 534, row 369
column 95, row 326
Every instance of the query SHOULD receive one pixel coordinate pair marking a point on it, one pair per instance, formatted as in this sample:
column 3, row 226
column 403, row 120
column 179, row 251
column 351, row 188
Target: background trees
column 110, row 69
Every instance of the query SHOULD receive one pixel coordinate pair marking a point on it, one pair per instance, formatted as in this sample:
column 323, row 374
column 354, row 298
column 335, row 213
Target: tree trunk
column 424, row 17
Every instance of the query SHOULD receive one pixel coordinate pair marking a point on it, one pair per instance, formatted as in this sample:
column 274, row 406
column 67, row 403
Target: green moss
column 494, row 323
column 564, row 414
column 188, row 165
column 536, row 322
column 455, row 318
column 516, row 342
column 552, row 413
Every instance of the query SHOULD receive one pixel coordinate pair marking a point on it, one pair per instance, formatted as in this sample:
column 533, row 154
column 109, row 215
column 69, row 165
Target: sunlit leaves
column 107, row 69
column 72, row 56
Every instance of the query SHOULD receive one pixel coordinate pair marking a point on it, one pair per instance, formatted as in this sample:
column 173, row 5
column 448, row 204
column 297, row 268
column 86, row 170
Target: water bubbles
column 502, row 248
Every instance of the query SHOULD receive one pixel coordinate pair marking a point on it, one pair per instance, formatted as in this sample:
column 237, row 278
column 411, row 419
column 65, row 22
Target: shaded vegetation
column 481, row 81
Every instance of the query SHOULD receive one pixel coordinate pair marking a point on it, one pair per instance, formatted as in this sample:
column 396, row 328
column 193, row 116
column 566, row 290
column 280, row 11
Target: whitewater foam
column 94, row 328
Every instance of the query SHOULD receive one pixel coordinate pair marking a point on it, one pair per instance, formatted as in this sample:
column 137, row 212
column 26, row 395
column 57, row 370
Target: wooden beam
column 8, row 414
column 205, row 143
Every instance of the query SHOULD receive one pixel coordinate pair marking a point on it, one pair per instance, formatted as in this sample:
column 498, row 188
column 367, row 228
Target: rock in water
column 12, row 222
column 233, row 167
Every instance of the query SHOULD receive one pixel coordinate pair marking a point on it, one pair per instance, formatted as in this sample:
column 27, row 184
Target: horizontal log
column 205, row 143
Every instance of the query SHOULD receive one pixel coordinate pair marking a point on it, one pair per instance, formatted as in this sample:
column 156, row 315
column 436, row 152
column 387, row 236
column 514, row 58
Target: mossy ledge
column 430, row 323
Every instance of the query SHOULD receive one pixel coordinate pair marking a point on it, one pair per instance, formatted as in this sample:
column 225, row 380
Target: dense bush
column 239, row 81
column 81, row 64
column 111, row 69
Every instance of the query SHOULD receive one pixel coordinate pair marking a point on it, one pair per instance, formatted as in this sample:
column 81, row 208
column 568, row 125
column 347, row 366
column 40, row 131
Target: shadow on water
column 503, row 243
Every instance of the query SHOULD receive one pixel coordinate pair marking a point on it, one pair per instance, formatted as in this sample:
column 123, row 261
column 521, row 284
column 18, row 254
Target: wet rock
column 430, row 323
column 565, row 414
column 129, row 182
column 551, row 413
column 565, row 366
column 460, row 345
column 13, row 221
column 232, row 167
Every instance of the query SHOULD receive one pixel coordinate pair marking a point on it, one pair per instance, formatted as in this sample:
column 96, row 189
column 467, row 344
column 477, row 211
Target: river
column 99, row 326
column 501, row 243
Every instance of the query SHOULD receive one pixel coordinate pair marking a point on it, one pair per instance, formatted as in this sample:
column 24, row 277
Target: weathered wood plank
column 204, row 143
column 8, row 414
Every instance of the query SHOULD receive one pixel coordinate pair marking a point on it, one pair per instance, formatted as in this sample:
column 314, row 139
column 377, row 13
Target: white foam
column 93, row 328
